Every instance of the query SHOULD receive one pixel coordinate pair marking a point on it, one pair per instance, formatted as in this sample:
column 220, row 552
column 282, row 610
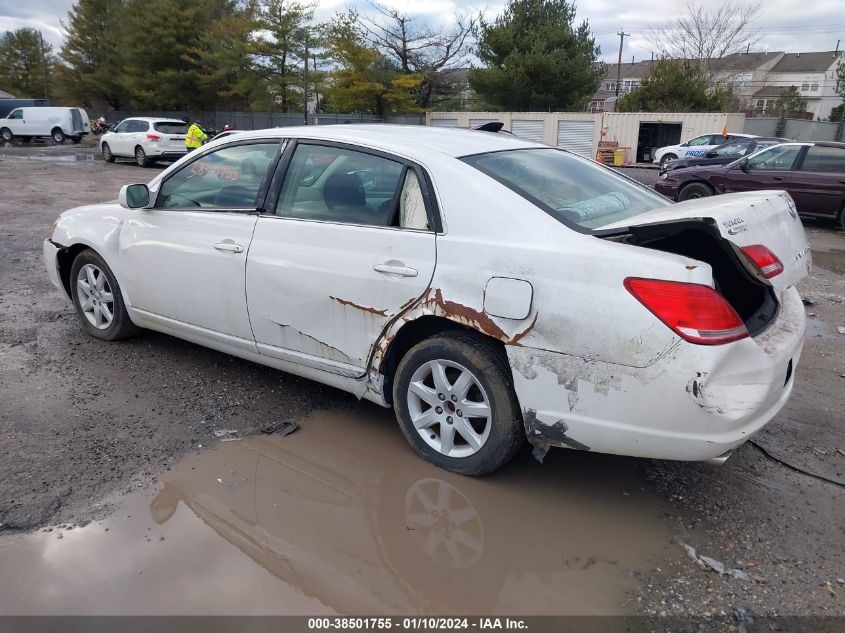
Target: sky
column 817, row 28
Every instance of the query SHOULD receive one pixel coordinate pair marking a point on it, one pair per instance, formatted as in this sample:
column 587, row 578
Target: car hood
column 699, row 170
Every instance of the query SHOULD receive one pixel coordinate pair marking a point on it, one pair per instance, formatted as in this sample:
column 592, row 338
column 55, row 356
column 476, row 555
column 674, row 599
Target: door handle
column 402, row 271
column 777, row 178
column 229, row 246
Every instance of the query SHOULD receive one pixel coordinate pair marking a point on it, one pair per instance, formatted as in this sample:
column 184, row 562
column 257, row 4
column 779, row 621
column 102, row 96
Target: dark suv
column 812, row 173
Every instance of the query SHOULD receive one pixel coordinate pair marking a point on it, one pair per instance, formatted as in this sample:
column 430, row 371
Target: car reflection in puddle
column 345, row 518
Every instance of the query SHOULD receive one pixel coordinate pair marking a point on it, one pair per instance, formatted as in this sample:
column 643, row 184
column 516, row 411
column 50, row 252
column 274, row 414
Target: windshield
column 171, row 127
column 571, row 189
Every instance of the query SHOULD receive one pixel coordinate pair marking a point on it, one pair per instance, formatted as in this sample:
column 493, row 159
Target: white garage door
column 576, row 136
column 529, row 130
column 478, row 122
column 444, row 123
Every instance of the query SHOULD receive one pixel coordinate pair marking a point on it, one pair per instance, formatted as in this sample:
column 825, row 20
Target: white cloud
column 816, row 27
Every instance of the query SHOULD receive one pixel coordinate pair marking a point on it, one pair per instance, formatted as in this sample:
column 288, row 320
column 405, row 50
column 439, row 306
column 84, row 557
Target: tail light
column 766, row 260
column 696, row 313
column 153, row 137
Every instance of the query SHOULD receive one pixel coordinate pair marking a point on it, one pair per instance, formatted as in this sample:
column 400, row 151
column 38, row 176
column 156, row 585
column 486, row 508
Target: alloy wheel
column 140, row 157
column 95, row 296
column 449, row 408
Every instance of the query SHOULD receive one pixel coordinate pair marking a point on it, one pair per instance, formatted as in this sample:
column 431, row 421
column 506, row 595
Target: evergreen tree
column 21, row 64
column 159, row 36
column 675, row 86
column 279, row 49
column 536, row 58
column 92, row 53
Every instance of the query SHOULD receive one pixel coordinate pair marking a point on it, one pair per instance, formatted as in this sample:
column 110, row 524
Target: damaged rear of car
column 664, row 330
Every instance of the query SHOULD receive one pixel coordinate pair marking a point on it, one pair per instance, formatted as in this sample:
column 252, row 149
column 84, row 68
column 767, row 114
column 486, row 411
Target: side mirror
column 743, row 165
column 134, row 196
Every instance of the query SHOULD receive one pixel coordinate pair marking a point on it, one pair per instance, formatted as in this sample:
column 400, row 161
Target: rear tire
column 97, row 298
column 695, row 190
column 107, row 155
column 141, row 157
column 58, row 136
column 76, row 140
column 840, row 221
column 452, row 373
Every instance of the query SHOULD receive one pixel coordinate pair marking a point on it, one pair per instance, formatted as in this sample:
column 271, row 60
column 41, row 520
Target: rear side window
column 340, row 185
column 571, row 189
column 229, row 178
column 827, row 159
column 168, row 127
column 138, row 126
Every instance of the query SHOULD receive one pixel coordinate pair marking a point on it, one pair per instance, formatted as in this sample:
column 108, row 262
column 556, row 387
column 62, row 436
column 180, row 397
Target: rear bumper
column 694, row 403
column 172, row 154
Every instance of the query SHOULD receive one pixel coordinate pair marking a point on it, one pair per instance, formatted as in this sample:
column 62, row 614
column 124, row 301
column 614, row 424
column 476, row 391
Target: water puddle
column 341, row 516
column 832, row 260
column 65, row 158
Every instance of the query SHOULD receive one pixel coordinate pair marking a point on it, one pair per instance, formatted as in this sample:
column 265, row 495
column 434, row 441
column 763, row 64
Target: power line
column 622, row 35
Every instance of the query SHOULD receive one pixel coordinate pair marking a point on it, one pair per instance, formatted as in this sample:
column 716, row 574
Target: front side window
column 780, row 157
column 700, row 140
column 571, row 189
column 122, row 127
column 826, row 159
column 229, row 178
column 340, row 185
column 16, row 114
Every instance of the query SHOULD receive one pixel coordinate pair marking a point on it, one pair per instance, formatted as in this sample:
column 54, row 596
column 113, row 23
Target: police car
column 694, row 147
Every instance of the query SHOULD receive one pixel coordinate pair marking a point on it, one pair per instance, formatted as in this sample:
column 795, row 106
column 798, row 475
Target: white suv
column 145, row 140
column 697, row 146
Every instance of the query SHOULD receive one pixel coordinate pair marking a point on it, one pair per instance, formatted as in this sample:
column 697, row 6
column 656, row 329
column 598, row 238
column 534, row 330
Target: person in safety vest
column 195, row 138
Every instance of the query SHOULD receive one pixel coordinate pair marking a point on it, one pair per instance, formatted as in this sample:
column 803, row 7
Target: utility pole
column 43, row 63
column 305, row 80
column 622, row 35
column 316, row 87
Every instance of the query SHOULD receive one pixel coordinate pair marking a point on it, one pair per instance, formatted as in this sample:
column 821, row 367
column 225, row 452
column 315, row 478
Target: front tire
column 695, row 190
column 58, row 136
column 141, row 157
column 107, row 155
column 97, row 298
column 6, row 135
column 665, row 159
column 454, row 399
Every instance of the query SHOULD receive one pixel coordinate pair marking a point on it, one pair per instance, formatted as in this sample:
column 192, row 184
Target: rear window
column 170, row 127
column 571, row 189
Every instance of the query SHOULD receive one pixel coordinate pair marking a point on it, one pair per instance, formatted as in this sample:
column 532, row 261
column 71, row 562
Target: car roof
column 153, row 119
column 402, row 138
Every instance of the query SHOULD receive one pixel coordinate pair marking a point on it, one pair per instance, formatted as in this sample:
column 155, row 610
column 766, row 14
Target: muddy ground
column 131, row 480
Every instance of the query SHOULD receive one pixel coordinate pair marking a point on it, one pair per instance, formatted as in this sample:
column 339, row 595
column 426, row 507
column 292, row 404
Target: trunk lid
column 757, row 217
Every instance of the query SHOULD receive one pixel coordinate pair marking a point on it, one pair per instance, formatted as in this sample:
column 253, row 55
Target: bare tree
column 708, row 35
column 420, row 48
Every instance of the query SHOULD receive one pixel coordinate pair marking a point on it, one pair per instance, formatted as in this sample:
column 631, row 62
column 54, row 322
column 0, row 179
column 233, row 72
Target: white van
column 56, row 123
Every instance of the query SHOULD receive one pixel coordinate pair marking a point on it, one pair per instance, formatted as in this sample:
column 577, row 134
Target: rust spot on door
column 351, row 304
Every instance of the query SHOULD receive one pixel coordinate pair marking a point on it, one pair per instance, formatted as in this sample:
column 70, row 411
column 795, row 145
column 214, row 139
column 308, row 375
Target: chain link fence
column 215, row 120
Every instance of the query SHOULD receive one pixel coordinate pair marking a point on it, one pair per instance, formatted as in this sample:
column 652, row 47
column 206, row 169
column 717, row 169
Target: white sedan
column 145, row 140
column 488, row 288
